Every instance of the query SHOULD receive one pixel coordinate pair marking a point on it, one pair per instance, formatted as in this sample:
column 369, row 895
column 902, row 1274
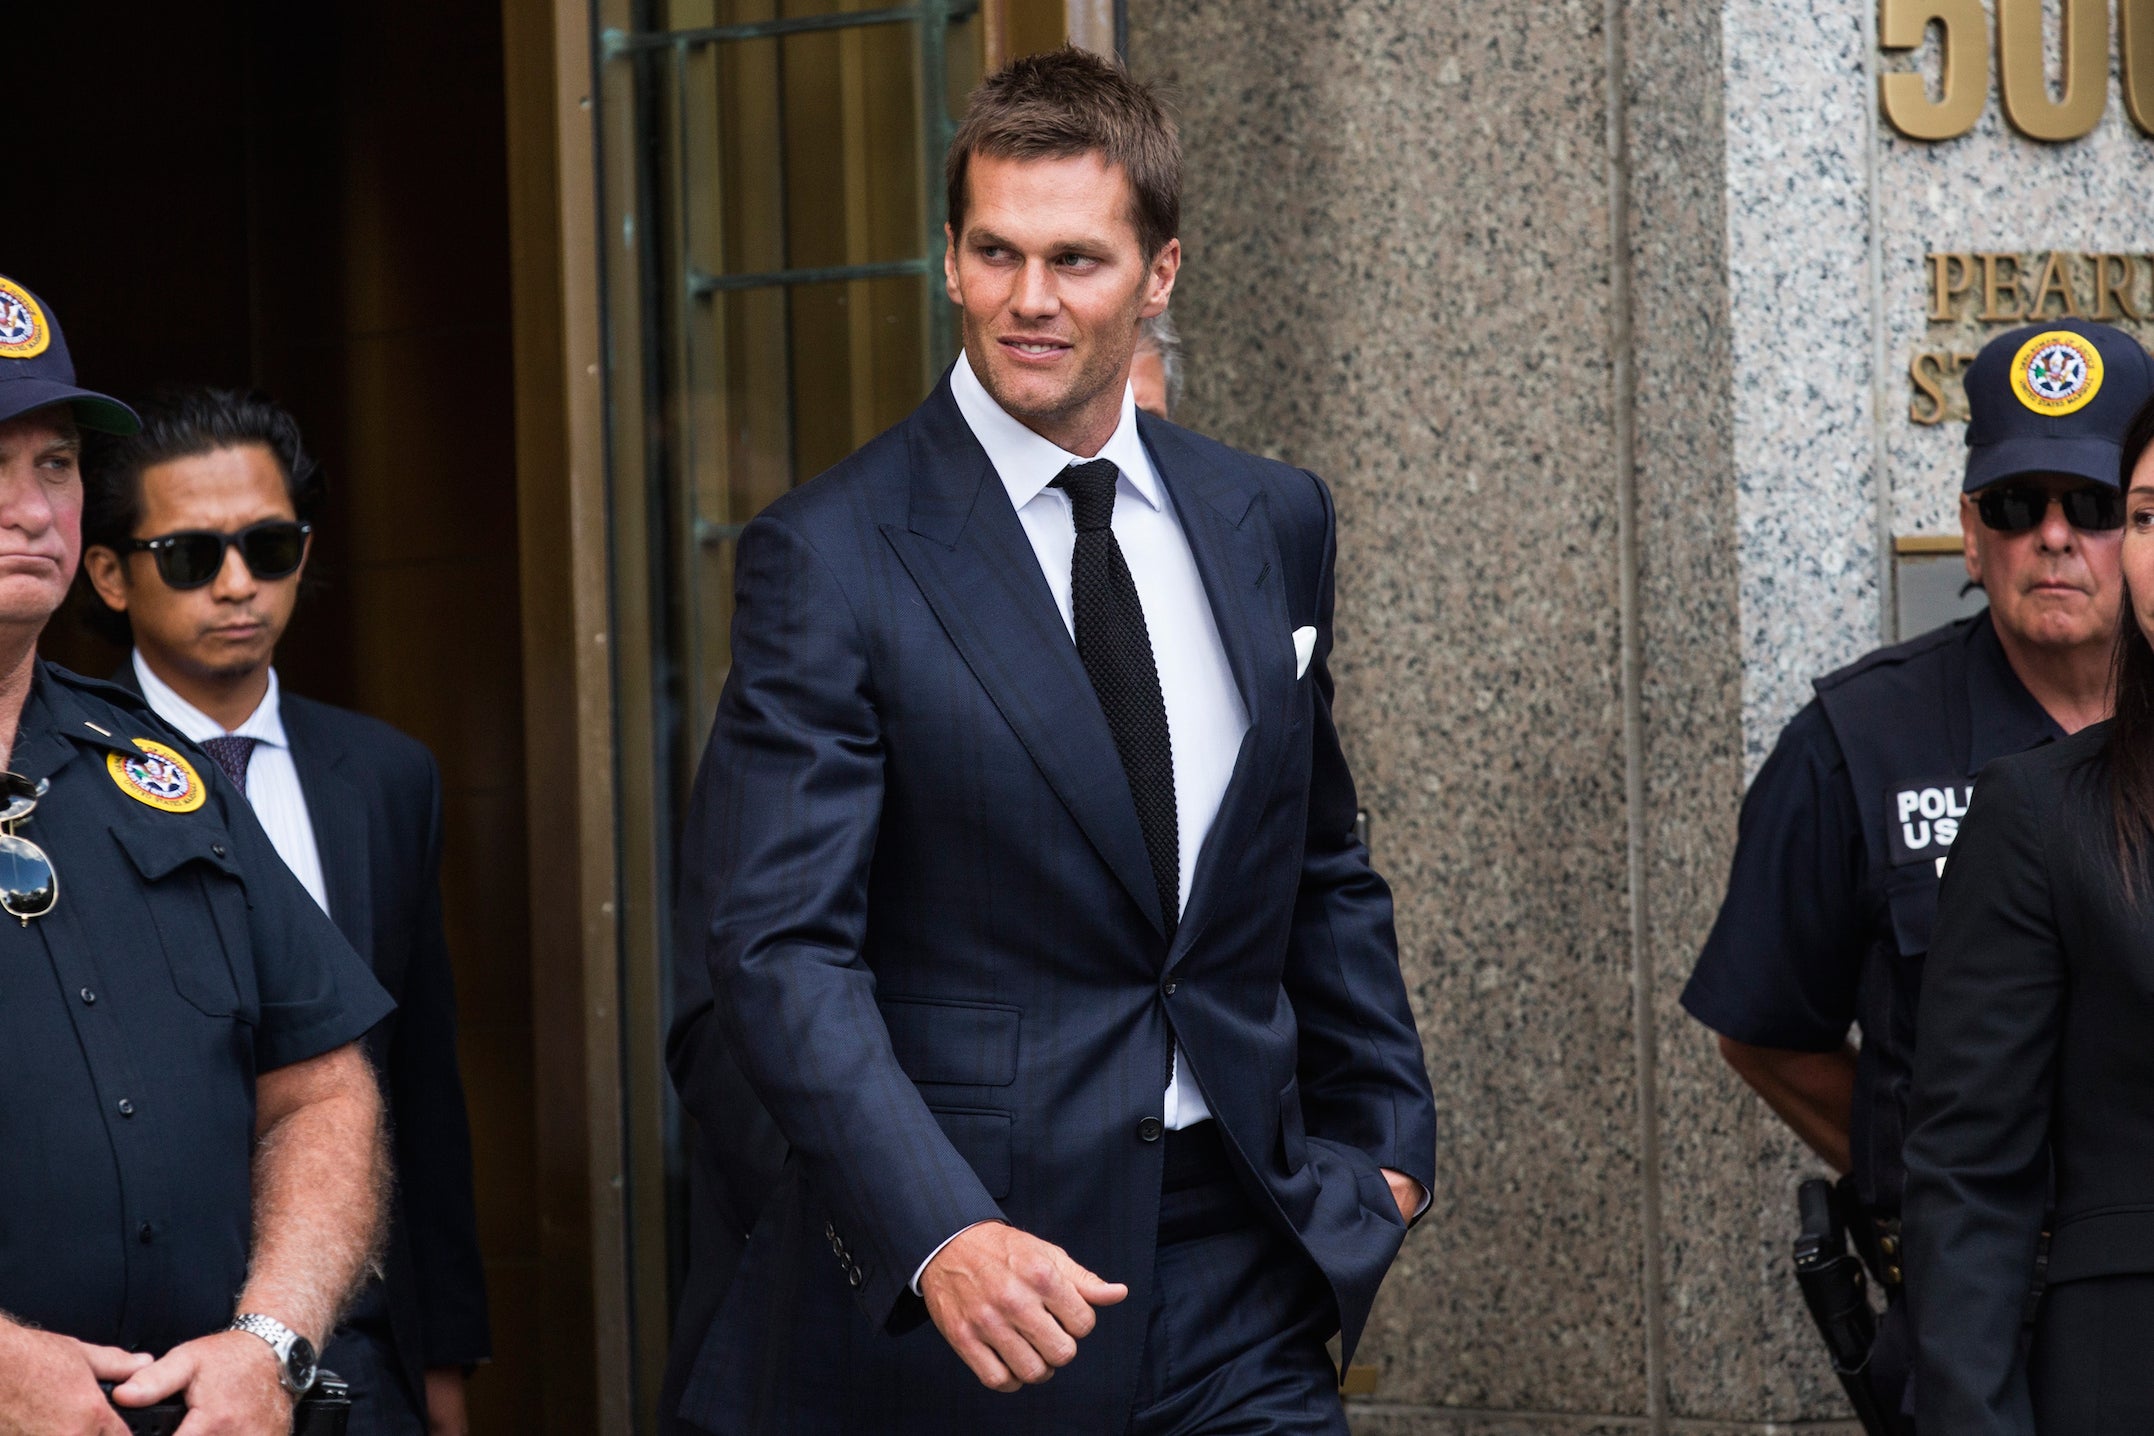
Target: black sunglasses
column 273, row 548
column 2016, row 508
column 28, row 885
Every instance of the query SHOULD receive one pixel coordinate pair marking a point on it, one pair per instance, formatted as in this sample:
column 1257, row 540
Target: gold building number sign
column 1947, row 105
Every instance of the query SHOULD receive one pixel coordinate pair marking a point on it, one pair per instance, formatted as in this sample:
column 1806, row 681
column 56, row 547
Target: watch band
column 296, row 1366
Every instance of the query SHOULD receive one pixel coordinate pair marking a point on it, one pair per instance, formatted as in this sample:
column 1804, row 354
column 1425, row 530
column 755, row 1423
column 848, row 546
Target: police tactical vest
column 1901, row 718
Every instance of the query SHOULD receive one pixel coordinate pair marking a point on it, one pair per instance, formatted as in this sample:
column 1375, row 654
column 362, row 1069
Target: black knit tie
column 232, row 755
column 1116, row 650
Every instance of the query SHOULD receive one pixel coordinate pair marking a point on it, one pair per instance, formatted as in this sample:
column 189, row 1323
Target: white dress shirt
column 272, row 778
column 1205, row 718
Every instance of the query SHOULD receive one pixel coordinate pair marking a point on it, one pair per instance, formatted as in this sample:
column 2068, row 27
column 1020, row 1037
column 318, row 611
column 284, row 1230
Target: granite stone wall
column 1596, row 314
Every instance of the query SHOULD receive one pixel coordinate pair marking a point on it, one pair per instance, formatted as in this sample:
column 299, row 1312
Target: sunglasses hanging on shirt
column 2016, row 508
column 29, row 887
column 187, row 559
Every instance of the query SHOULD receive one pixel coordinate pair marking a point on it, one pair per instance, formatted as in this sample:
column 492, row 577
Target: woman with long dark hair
column 2033, row 1102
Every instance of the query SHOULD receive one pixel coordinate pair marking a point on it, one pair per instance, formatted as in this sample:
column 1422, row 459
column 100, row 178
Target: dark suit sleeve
column 1363, row 1081
column 739, row 1149
column 1977, row 1154
column 791, row 793
column 432, row 1131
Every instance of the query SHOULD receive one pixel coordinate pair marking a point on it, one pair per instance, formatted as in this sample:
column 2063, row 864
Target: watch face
column 301, row 1363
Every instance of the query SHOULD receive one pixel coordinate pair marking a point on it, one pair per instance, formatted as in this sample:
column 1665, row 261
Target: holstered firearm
column 1838, row 1295
column 323, row 1411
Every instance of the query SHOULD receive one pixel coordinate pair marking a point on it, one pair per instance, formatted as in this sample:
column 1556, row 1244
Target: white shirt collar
column 1027, row 463
column 265, row 724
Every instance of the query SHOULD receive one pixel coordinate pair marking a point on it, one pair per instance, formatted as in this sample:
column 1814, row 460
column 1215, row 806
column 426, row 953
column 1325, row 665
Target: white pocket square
column 1304, row 647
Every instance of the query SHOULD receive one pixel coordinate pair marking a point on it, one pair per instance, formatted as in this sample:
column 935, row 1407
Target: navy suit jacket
column 374, row 802
column 936, row 953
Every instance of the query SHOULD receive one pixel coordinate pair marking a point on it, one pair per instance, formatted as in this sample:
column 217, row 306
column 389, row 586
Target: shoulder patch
column 158, row 777
column 24, row 334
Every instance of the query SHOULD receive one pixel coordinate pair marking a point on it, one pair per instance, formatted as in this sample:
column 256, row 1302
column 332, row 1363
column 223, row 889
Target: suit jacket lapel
column 336, row 810
column 1230, row 538
column 967, row 551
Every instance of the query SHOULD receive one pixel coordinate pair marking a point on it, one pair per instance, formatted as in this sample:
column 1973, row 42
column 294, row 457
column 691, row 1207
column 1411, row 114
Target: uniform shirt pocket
column 197, row 905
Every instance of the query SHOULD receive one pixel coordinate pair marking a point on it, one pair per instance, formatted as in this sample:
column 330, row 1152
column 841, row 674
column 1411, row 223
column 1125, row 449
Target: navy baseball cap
column 2054, row 398
column 35, row 370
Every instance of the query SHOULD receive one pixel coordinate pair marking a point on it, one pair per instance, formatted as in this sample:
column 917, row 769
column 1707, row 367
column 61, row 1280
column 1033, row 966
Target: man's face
column 40, row 514
column 2052, row 586
column 1053, row 284
column 230, row 625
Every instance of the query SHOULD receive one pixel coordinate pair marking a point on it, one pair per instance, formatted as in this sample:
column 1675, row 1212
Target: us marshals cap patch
column 24, row 334
column 2057, row 372
column 159, row 776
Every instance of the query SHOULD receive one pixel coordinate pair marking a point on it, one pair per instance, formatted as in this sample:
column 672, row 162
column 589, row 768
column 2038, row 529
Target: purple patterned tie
column 232, row 755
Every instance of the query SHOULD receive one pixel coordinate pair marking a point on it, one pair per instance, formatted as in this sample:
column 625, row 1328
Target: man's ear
column 1971, row 538
column 1159, row 279
column 107, row 575
column 950, row 285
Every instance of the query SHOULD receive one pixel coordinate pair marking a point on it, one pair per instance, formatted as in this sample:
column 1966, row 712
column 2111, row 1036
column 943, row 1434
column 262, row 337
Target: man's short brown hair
column 1070, row 102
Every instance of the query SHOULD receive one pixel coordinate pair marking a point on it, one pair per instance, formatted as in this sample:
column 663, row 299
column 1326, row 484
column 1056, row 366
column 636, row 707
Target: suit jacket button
column 1171, row 984
column 1149, row 1129
column 853, row 1278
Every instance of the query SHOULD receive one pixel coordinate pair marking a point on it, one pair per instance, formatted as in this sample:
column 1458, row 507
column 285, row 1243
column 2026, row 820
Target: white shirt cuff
column 921, row 1270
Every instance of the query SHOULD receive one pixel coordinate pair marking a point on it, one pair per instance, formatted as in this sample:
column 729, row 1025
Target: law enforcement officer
column 1845, row 831
column 188, row 1112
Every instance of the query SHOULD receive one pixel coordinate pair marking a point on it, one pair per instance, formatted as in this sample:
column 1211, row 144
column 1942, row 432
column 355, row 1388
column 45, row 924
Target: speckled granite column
column 1398, row 273
column 1607, row 505
column 1555, row 450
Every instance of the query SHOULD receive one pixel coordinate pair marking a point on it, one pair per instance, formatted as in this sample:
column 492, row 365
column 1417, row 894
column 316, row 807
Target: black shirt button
column 1149, row 1129
column 89, row 998
column 148, row 1234
column 217, row 848
column 127, row 1109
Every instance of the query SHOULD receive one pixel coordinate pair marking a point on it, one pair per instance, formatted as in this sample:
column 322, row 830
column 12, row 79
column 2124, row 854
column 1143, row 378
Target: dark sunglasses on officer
column 28, row 885
column 190, row 558
column 2014, row 508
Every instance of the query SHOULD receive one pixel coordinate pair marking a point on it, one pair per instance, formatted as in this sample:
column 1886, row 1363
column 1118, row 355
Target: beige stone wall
column 1468, row 262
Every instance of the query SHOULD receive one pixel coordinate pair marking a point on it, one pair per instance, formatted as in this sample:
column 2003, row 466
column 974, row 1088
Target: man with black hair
column 197, row 532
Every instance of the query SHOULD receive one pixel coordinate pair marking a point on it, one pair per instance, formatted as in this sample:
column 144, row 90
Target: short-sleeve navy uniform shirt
column 1833, row 887
column 181, row 960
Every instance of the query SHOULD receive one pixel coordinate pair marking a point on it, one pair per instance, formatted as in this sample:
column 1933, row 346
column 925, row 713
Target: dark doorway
column 312, row 200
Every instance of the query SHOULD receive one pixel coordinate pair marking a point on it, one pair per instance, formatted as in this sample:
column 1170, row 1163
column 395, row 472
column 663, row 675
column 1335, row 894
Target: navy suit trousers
column 1235, row 1339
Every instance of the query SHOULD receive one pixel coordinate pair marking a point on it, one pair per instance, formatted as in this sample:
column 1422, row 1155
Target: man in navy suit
column 1032, row 905
column 196, row 532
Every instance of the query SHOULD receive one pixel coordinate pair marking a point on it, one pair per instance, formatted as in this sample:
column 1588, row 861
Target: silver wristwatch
column 297, row 1362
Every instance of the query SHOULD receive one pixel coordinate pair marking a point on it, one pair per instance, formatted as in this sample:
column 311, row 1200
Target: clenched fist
column 1012, row 1306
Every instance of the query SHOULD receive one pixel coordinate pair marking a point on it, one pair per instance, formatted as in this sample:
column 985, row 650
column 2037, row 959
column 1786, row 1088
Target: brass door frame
column 569, row 724
column 591, row 534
